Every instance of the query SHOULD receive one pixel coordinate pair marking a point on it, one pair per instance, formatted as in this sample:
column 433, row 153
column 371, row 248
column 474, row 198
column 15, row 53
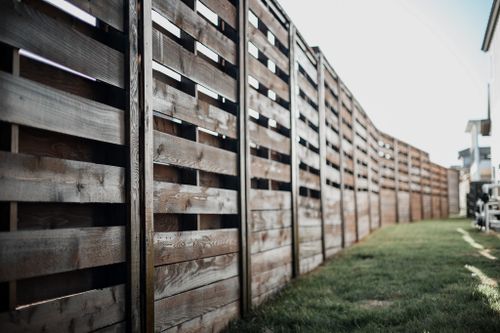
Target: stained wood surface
column 25, row 254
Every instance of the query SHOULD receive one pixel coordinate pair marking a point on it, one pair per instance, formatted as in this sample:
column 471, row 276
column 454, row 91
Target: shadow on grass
column 404, row 278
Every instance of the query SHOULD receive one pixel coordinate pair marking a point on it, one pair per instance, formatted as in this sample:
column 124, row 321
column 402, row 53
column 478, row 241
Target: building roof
column 490, row 28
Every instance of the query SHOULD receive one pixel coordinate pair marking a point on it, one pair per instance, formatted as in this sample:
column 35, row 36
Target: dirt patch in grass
column 374, row 304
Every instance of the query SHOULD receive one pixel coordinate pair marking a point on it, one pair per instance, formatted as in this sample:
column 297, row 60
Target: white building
column 491, row 45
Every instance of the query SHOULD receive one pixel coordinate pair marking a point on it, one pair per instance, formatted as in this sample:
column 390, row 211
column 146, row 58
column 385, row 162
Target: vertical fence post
column 133, row 173
column 410, row 183
column 322, row 145
column 146, row 50
column 294, row 159
column 244, row 160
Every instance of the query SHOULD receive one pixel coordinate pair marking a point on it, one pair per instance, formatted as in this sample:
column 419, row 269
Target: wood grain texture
column 26, row 28
column 268, row 108
column 260, row 40
column 177, row 104
column 200, row 29
column 27, row 103
column 269, row 169
column 258, row 8
column 189, row 199
column 25, row 254
column 176, row 278
column 224, row 9
column 266, row 77
column 111, row 11
column 268, row 138
column 169, row 53
column 170, row 149
column 82, row 312
column 173, row 247
column 45, row 179
column 269, row 200
column 182, row 307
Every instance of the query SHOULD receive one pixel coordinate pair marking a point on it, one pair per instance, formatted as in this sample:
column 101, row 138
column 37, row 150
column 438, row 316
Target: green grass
column 403, row 278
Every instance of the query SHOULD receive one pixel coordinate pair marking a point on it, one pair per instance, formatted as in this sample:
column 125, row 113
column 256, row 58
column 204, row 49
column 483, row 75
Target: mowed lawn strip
column 402, row 278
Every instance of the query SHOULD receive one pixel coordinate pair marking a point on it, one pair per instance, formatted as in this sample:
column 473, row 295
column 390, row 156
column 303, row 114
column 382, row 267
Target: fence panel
column 65, row 121
column 374, row 176
column 403, row 182
column 269, row 123
column 416, row 185
column 426, row 186
column 388, row 193
column 195, row 170
column 309, row 217
column 362, row 166
column 332, row 215
column 348, row 181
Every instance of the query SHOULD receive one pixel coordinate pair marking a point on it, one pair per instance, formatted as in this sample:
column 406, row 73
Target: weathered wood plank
column 258, row 38
column 170, row 149
column 189, row 199
column 268, row 108
column 308, row 88
column 26, row 28
column 269, row 169
column 111, row 11
column 45, row 179
column 309, row 180
column 268, row 138
column 271, row 280
column 200, row 29
column 269, row 200
column 270, row 219
column 307, row 133
column 214, row 321
column 25, row 254
column 306, row 64
column 224, row 9
column 307, row 110
column 83, row 312
column 28, row 103
column 172, row 247
column 176, row 278
column 269, row 260
column 177, row 309
column 270, row 239
column 174, row 103
column 270, row 80
column 269, row 20
column 171, row 54
column 308, row 156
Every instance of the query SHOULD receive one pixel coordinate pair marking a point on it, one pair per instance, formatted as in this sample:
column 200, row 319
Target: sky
column 416, row 66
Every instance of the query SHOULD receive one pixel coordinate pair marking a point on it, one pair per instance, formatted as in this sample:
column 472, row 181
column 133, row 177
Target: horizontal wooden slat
column 308, row 156
column 306, row 63
column 269, row 260
column 269, row 200
column 270, row 80
column 25, row 254
column 26, row 28
column 307, row 88
column 170, row 149
column 217, row 319
column 271, row 280
column 309, row 180
column 45, row 179
column 174, row 103
column 172, row 247
column 268, row 108
column 258, row 38
column 189, row 199
column 169, row 53
column 83, row 312
column 268, row 138
column 110, row 11
column 27, row 103
column 269, row 20
column 307, row 133
column 270, row 239
column 200, row 29
column 270, row 219
column 176, row 309
column 187, row 275
column 224, row 9
column 308, row 111
column 269, row 169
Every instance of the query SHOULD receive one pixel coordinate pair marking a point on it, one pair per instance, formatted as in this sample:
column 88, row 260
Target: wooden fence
column 166, row 165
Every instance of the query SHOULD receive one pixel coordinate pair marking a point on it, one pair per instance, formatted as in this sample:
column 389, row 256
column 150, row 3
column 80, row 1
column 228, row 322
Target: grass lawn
column 402, row 278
